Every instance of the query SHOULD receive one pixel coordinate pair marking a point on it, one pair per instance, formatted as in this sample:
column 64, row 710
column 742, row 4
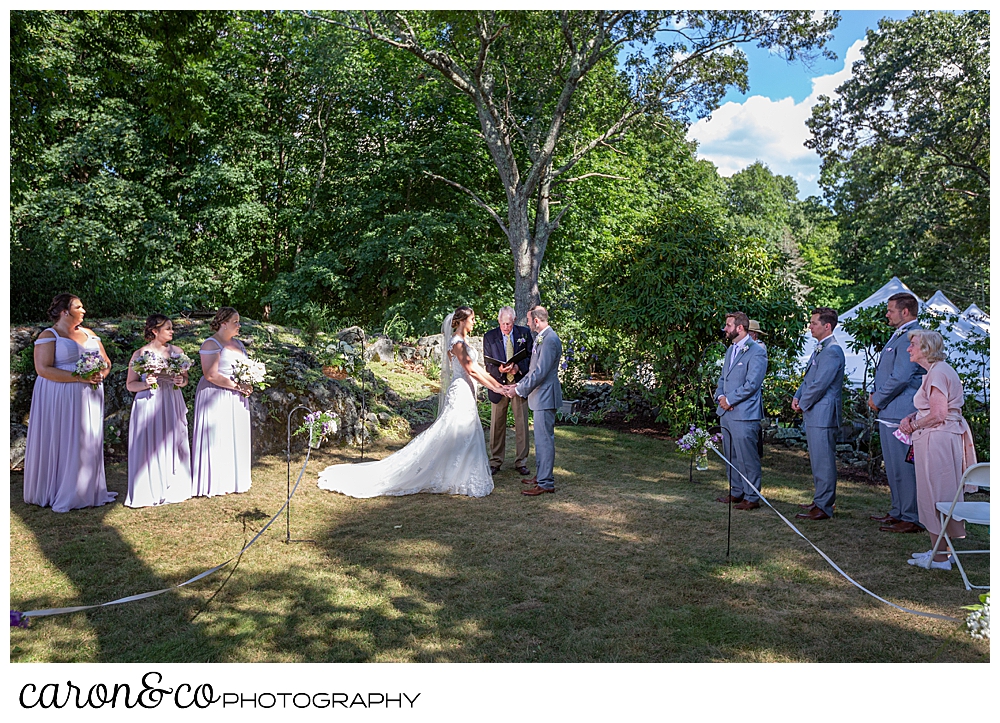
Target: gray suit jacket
column 896, row 379
column 541, row 384
column 822, row 389
column 741, row 383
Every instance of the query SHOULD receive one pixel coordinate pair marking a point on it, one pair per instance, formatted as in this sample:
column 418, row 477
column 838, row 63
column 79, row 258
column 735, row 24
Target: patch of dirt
column 645, row 427
column 334, row 373
column 861, row 476
column 413, row 366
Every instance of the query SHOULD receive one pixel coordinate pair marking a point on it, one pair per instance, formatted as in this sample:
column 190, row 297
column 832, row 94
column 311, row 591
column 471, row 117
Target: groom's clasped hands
column 509, row 390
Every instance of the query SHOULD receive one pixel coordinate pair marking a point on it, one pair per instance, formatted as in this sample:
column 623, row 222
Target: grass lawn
column 626, row 562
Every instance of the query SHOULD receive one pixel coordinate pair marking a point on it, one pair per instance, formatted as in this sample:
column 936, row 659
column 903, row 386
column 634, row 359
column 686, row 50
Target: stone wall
column 298, row 380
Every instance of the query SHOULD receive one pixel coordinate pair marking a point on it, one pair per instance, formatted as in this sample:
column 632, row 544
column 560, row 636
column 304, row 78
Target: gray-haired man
column 503, row 343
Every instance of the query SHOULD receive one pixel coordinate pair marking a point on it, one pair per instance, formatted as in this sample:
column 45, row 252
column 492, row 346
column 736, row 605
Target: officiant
column 500, row 344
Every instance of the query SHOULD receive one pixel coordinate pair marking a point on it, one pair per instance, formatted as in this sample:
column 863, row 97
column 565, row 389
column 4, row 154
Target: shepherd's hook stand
column 729, row 489
column 288, row 459
column 363, row 407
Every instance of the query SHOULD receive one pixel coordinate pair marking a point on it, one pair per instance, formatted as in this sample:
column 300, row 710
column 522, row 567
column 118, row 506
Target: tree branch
column 590, row 175
column 479, row 202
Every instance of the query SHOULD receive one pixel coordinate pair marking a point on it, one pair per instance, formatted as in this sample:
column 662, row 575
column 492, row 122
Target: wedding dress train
column 449, row 457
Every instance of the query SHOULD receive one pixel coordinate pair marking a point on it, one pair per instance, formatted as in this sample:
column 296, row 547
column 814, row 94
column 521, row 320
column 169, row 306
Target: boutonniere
column 521, row 340
column 539, row 339
column 745, row 349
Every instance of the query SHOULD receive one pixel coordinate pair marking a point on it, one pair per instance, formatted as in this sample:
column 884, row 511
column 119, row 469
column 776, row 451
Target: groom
column 541, row 387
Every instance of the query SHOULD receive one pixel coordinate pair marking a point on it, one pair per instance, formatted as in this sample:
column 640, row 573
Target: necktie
column 509, row 346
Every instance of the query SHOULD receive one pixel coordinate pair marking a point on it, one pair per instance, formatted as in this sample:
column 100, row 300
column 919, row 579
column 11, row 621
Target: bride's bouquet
column 151, row 365
column 88, row 363
column 250, row 372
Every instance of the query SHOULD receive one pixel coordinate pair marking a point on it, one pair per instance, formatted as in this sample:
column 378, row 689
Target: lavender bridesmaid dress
column 221, row 443
column 159, row 456
column 64, row 454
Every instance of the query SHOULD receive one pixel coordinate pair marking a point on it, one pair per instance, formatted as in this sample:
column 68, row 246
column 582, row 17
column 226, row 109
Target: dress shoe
column 728, row 498
column 536, row 490
column 532, row 481
column 885, row 519
column 929, row 564
column 901, row 527
column 810, row 506
column 522, row 470
column 814, row 514
column 747, row 505
column 494, row 470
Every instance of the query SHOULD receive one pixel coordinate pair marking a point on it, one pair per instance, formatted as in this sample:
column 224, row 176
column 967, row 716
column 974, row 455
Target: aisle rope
column 142, row 596
column 826, row 557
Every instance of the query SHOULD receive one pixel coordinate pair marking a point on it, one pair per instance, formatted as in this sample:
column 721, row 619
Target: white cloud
column 771, row 131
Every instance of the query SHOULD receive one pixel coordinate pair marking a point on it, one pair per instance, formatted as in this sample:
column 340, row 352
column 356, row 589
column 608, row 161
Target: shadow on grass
column 626, row 562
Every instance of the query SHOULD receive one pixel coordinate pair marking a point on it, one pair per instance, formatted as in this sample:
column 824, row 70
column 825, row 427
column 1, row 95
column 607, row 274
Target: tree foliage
column 667, row 291
column 905, row 149
column 547, row 91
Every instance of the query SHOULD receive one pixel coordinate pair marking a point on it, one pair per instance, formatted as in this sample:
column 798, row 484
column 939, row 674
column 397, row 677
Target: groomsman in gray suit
column 541, row 387
column 819, row 399
column 896, row 381
column 740, row 410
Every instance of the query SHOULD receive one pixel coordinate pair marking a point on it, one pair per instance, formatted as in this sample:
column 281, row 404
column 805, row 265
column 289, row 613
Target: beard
column 731, row 335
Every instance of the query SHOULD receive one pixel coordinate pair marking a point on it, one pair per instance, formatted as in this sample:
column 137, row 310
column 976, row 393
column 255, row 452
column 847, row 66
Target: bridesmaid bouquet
column 88, row 363
column 179, row 363
column 151, row 365
column 251, row 372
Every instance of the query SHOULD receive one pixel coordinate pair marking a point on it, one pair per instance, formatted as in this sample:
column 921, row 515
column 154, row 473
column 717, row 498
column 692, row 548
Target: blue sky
column 768, row 123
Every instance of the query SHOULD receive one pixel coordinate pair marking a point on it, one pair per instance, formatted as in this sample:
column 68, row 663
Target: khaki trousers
column 498, row 430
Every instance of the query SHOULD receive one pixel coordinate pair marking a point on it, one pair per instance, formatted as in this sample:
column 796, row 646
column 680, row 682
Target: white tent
column 967, row 325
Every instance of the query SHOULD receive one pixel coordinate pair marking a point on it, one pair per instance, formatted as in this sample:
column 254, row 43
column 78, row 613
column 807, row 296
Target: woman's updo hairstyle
column 60, row 303
column 222, row 316
column 153, row 324
column 461, row 314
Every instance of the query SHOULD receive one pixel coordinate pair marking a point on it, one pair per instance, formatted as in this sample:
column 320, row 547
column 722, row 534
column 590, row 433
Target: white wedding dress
column 449, row 457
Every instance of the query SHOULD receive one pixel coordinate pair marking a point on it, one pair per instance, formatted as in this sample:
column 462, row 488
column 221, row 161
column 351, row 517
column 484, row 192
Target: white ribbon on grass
column 826, row 557
column 154, row 593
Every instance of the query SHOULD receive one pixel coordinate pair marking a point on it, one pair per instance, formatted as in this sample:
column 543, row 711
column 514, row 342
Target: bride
column 449, row 457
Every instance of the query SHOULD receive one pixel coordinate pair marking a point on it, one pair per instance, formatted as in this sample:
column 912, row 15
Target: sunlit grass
column 626, row 562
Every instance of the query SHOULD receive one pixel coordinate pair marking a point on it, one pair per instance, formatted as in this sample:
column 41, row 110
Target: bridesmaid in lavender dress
column 64, row 457
column 159, row 456
column 221, row 444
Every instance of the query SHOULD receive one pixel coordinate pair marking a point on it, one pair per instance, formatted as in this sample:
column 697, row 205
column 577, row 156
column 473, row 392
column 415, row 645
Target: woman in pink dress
column 221, row 443
column 159, row 456
column 942, row 440
column 64, row 456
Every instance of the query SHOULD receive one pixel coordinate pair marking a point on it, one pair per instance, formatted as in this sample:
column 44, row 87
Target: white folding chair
column 975, row 513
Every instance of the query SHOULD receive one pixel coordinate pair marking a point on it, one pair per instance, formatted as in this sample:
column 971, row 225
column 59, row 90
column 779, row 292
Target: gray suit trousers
column 545, row 446
column 902, row 477
column 739, row 444
column 822, row 443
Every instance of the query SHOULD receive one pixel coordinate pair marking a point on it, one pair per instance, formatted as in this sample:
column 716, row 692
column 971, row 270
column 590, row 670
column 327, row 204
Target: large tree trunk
column 526, row 266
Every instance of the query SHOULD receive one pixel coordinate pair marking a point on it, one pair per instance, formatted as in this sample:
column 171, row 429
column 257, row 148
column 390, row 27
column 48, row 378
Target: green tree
column 543, row 103
column 103, row 107
column 666, row 292
column 905, row 149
